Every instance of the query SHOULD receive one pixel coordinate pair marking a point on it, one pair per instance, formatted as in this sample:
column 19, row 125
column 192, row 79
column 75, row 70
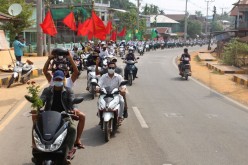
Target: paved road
column 183, row 124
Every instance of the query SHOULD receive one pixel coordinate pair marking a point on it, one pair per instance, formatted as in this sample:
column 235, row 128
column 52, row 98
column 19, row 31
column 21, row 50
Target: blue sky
column 178, row 6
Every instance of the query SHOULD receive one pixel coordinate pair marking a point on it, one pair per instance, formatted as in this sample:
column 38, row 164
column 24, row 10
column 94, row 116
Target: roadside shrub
column 235, row 53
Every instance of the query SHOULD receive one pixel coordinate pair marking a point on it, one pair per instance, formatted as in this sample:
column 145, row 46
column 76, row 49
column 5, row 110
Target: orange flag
column 122, row 33
column 99, row 27
column 48, row 26
column 69, row 21
column 109, row 27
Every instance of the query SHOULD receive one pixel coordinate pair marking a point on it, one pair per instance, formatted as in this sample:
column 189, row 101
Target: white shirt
column 68, row 82
column 112, row 83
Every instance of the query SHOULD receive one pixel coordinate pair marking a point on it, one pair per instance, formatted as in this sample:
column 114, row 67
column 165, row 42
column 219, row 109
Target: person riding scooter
column 184, row 59
column 130, row 56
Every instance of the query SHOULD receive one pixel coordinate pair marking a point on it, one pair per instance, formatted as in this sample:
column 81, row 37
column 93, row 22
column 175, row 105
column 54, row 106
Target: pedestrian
column 18, row 48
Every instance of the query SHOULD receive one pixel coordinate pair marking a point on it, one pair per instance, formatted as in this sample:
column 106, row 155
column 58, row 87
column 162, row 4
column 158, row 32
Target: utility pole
column 186, row 21
column 138, row 6
column 39, row 32
column 206, row 27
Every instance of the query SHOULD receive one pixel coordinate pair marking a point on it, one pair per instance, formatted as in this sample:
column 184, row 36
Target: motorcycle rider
column 184, row 59
column 113, row 80
column 69, row 83
column 130, row 56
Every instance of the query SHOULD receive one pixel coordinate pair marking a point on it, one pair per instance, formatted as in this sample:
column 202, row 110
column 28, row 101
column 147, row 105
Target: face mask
column 111, row 71
column 58, row 83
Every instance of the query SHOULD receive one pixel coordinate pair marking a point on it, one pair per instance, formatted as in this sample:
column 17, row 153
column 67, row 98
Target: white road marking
column 140, row 118
column 173, row 115
column 210, row 116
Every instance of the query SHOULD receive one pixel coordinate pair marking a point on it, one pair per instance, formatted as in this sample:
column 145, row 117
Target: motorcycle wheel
column 47, row 162
column 107, row 131
column 130, row 79
column 11, row 81
column 93, row 89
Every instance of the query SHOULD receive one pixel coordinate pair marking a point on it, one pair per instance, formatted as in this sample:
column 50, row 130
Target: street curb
column 34, row 73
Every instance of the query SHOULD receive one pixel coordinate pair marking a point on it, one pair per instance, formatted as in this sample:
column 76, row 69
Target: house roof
column 162, row 19
column 177, row 17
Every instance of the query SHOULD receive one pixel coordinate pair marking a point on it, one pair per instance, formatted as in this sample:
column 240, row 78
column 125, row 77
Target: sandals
column 79, row 146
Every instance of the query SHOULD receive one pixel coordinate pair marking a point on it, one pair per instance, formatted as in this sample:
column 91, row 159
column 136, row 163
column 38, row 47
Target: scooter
column 108, row 110
column 50, row 133
column 122, row 51
column 186, row 71
column 129, row 71
column 22, row 72
column 92, row 77
column 141, row 50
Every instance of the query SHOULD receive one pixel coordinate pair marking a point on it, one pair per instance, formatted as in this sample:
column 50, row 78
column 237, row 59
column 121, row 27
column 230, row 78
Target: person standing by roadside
column 18, row 48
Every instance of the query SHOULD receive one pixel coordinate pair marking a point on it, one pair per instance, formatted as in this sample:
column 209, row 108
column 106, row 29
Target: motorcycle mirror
column 77, row 100
column 125, row 82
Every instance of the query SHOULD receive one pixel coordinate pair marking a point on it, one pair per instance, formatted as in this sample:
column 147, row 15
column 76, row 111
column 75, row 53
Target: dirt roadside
column 222, row 83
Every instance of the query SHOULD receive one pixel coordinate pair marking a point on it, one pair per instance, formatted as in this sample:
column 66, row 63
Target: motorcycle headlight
column 49, row 148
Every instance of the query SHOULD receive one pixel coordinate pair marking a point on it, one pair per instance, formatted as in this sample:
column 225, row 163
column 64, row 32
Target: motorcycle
column 50, row 133
column 140, row 50
column 92, row 77
column 186, row 71
column 22, row 72
column 108, row 109
column 147, row 48
column 122, row 51
column 129, row 71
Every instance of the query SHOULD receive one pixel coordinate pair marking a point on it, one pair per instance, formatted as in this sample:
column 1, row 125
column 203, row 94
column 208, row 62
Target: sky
column 178, row 6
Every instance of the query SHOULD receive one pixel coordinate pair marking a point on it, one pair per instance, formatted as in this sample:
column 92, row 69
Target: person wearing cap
column 56, row 98
column 68, row 82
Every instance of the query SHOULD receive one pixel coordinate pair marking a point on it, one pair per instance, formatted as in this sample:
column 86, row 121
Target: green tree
column 21, row 21
column 194, row 28
column 151, row 10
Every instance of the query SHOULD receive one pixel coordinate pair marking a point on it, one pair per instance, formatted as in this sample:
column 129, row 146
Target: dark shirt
column 185, row 58
column 91, row 60
column 130, row 56
column 57, row 104
column 118, row 70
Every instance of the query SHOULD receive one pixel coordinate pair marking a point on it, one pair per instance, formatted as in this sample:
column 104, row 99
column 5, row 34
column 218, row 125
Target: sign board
column 4, row 45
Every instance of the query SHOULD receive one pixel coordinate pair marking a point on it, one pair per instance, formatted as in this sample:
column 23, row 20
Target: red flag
column 98, row 26
column 122, row 33
column 113, row 36
column 48, row 26
column 109, row 27
column 85, row 27
column 69, row 21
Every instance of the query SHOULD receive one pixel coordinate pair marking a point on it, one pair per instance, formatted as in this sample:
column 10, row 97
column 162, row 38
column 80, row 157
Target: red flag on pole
column 122, row 33
column 113, row 36
column 98, row 26
column 109, row 27
column 85, row 27
column 48, row 26
column 69, row 21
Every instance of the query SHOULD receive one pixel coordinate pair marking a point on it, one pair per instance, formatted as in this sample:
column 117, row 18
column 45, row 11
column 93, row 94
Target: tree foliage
column 21, row 21
column 194, row 28
column 151, row 10
column 235, row 53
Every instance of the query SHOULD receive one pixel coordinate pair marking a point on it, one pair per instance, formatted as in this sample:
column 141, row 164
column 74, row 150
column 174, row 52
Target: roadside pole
column 39, row 32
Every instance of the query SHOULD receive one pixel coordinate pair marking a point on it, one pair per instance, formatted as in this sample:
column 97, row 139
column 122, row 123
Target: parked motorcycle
column 186, row 71
column 50, row 133
column 108, row 109
column 22, row 72
column 129, row 71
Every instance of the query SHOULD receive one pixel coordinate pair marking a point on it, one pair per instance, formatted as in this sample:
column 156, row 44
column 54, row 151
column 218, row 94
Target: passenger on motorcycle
column 68, row 82
column 113, row 80
column 184, row 59
column 130, row 56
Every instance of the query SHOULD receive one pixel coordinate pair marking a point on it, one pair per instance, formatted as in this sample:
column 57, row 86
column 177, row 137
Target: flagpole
column 39, row 32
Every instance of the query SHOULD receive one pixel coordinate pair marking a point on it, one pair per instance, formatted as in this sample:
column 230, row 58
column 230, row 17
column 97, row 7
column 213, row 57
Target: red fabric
column 85, row 27
column 69, row 21
column 122, row 33
column 109, row 27
column 99, row 30
column 113, row 36
column 48, row 26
